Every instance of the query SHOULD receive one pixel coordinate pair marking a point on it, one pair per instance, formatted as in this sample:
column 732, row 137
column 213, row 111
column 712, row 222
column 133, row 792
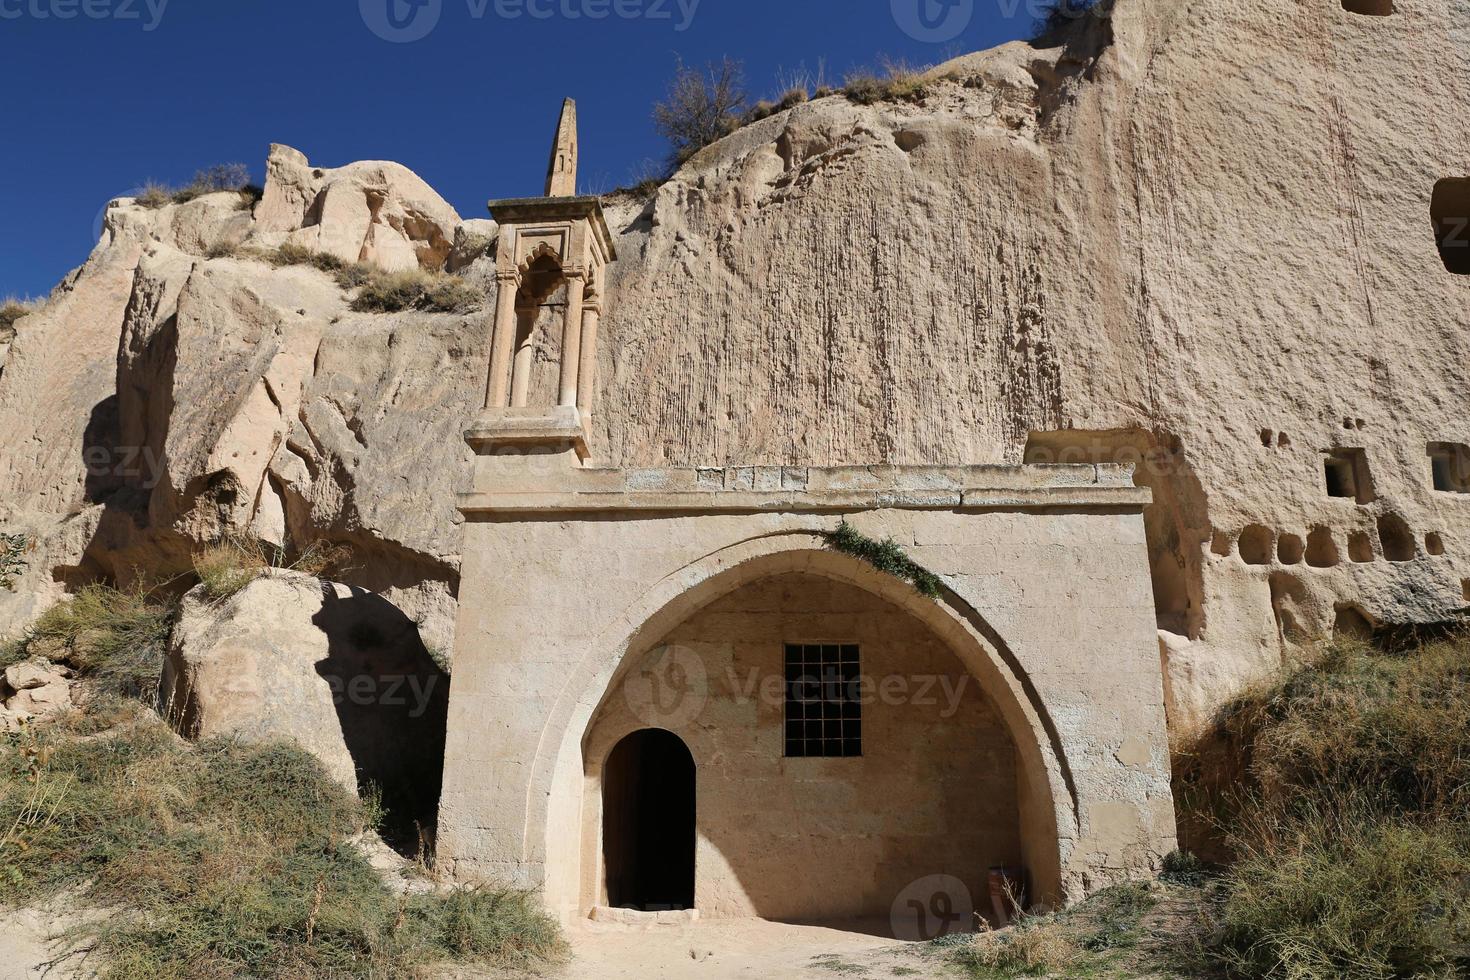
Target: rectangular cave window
column 1449, row 209
column 824, row 716
column 1447, row 462
column 1347, row 475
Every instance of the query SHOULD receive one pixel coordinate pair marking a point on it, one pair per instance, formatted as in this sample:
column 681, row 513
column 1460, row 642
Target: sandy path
column 744, row 949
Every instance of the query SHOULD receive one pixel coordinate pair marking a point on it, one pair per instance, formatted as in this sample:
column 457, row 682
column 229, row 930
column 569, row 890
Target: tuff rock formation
column 1196, row 237
column 339, row 671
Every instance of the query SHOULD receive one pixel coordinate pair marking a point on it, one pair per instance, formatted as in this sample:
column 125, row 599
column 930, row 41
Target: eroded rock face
column 374, row 212
column 1198, row 241
column 340, row 671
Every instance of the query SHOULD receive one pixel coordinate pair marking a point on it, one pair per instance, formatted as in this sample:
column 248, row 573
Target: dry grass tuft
column 1342, row 792
column 896, row 81
column 116, row 640
column 227, row 566
column 11, row 310
column 226, row 860
column 1038, row 948
column 387, row 292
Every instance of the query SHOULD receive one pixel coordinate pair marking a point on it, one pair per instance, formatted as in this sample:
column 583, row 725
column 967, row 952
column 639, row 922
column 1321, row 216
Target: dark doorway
column 648, row 823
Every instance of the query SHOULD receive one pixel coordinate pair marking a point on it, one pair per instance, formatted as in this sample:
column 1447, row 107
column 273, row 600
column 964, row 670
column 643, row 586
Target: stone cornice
column 820, row 489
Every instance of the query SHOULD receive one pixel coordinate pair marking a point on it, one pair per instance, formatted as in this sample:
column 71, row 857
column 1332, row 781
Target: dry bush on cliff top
column 217, row 179
column 225, row 860
column 700, row 107
column 1343, row 794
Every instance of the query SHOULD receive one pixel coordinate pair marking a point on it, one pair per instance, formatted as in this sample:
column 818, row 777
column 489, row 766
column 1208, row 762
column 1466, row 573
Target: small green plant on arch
column 886, row 556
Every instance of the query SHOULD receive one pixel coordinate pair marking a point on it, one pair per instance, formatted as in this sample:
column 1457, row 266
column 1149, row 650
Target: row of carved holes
column 1258, row 545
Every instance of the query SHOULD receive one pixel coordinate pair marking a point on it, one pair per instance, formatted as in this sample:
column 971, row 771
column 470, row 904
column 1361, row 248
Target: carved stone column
column 503, row 340
column 524, row 358
column 571, row 338
column 587, row 369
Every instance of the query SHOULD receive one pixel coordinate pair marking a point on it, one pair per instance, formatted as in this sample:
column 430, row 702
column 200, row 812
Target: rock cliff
column 1199, row 237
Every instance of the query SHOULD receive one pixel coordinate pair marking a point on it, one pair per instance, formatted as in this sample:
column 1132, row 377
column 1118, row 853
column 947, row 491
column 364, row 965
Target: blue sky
column 102, row 95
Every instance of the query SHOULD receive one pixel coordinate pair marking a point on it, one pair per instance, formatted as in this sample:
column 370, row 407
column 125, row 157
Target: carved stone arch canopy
column 542, row 250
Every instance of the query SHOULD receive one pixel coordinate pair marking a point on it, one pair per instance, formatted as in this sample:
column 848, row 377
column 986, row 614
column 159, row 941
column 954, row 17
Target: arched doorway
column 648, row 811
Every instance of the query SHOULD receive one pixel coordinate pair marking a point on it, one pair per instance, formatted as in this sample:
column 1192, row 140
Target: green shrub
column 414, row 289
column 225, row 860
column 886, row 556
column 13, row 561
column 1354, row 896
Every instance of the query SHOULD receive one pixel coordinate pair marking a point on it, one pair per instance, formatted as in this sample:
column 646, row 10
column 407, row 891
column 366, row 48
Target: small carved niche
column 1290, row 549
column 1369, row 8
column 1398, row 541
column 1256, row 544
column 1360, row 547
column 1322, row 548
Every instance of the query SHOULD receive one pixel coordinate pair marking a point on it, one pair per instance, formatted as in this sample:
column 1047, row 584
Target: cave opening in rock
column 1352, row 623
column 1369, row 8
column 1449, row 465
column 1449, row 210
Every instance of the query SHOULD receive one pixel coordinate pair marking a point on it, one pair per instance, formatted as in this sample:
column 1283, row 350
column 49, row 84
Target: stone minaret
column 561, row 173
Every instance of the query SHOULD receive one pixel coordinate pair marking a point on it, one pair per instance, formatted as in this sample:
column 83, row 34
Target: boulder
column 33, row 689
column 373, row 211
column 339, row 671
